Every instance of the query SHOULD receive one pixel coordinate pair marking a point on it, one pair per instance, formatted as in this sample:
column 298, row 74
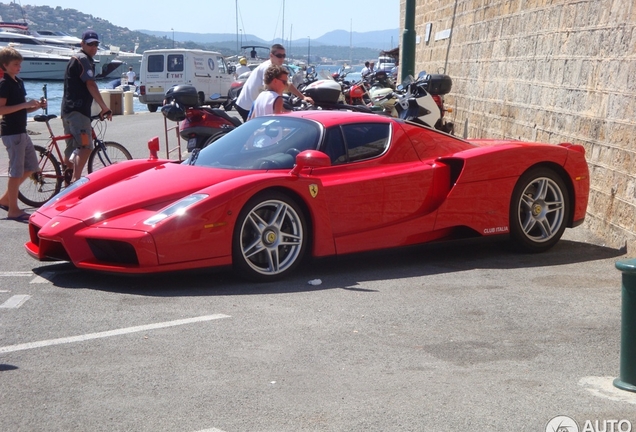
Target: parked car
column 281, row 188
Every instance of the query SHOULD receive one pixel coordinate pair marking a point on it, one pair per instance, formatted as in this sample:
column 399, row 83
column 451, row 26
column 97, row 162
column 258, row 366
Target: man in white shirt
column 131, row 75
column 242, row 68
column 365, row 70
column 254, row 84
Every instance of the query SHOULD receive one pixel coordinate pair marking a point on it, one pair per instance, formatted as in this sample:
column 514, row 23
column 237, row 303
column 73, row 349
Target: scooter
column 382, row 93
column 423, row 101
column 200, row 124
column 327, row 93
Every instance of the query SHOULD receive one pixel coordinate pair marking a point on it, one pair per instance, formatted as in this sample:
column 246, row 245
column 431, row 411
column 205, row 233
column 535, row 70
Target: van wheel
column 153, row 107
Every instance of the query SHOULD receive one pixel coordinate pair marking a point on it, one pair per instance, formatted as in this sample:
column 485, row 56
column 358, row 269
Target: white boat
column 21, row 38
column 42, row 66
column 129, row 59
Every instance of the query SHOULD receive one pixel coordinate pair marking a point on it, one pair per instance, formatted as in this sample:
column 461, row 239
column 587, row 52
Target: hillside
column 333, row 45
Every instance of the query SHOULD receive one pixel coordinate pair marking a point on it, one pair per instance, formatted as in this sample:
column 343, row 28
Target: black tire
column 115, row 152
column 214, row 137
column 539, row 210
column 153, row 107
column 270, row 237
column 44, row 184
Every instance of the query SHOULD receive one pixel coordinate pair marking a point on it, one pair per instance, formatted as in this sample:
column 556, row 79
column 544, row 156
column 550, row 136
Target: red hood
column 154, row 188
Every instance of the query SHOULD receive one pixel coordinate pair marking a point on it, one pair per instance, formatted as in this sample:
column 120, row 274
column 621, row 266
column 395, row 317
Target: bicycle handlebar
column 99, row 117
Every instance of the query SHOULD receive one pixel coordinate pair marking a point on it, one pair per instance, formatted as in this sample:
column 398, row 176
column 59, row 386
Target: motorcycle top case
column 438, row 84
column 323, row 91
column 184, row 95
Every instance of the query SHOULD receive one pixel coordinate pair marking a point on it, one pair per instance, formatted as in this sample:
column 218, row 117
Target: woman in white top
column 270, row 101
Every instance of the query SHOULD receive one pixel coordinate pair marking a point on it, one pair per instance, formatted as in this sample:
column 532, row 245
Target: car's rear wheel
column 539, row 210
column 270, row 237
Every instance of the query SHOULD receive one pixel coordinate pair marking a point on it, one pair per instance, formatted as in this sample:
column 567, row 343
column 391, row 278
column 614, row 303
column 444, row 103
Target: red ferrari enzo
column 312, row 183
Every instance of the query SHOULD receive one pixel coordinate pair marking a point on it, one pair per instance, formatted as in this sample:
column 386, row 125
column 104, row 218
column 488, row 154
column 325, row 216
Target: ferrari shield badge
column 313, row 190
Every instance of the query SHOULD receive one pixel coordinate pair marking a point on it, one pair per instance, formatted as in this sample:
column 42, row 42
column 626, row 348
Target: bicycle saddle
column 44, row 118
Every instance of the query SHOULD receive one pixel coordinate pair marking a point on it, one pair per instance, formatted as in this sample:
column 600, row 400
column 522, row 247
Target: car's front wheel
column 539, row 210
column 270, row 237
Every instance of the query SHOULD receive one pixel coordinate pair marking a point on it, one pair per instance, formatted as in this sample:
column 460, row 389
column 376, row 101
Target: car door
column 376, row 190
column 223, row 78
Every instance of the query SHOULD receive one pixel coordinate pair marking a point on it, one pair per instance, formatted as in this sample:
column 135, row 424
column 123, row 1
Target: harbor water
column 55, row 90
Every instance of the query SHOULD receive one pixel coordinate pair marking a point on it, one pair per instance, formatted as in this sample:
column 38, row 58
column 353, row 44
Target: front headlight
column 178, row 208
column 70, row 188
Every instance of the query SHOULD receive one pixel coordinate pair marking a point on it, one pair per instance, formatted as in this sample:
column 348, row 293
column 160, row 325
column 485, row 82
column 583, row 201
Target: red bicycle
column 53, row 173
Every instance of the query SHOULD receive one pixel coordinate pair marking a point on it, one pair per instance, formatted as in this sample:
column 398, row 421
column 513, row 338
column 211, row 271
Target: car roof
column 333, row 117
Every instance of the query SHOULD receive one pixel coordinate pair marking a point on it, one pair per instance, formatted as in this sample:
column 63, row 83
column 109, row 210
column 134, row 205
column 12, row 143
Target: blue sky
column 263, row 18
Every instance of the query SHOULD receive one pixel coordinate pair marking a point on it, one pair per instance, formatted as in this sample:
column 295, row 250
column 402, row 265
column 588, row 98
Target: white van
column 161, row 69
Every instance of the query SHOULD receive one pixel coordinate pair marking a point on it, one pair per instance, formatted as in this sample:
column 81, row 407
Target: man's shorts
column 75, row 124
column 22, row 156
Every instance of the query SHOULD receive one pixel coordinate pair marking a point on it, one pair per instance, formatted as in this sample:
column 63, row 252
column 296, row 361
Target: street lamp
column 308, row 49
column 172, row 37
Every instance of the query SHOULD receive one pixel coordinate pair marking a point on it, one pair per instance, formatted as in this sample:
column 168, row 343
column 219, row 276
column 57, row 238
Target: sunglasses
column 281, row 56
column 93, row 44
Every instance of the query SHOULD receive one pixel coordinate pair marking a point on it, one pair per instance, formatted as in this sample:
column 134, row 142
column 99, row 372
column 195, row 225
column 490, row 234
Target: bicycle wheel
column 107, row 153
column 44, row 184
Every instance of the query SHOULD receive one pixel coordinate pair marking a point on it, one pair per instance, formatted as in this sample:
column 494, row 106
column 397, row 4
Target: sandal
column 24, row 217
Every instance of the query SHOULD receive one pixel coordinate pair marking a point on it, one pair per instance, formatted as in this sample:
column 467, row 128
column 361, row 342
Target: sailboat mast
column 237, row 29
column 282, row 38
column 351, row 41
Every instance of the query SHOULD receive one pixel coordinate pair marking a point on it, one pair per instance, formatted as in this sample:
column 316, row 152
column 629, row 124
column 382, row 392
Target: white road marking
column 123, row 331
column 15, row 301
column 211, row 430
column 45, row 277
column 16, row 274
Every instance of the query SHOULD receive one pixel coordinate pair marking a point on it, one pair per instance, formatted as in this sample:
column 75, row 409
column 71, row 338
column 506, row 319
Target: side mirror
column 310, row 159
column 231, row 69
column 153, row 147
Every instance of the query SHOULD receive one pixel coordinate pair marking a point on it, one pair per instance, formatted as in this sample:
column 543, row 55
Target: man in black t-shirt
column 80, row 89
column 14, row 108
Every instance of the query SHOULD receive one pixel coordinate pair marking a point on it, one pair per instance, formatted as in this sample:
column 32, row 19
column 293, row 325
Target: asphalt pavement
column 456, row 337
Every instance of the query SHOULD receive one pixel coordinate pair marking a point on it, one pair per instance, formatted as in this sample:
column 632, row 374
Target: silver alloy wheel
column 541, row 209
column 271, row 237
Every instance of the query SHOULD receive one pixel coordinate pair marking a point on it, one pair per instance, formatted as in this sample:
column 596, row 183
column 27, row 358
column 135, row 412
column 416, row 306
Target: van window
column 155, row 63
column 220, row 64
column 175, row 63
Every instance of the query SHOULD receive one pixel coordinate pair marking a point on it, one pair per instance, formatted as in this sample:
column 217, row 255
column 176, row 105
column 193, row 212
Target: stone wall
column 550, row 71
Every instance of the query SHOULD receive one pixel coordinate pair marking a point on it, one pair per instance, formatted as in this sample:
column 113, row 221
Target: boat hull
column 43, row 68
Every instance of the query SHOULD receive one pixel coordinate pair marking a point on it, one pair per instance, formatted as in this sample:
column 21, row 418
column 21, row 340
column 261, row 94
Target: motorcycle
column 199, row 124
column 423, row 101
column 326, row 92
column 382, row 93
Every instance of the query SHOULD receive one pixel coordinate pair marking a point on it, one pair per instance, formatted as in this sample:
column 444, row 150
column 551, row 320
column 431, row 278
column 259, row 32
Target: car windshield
column 263, row 143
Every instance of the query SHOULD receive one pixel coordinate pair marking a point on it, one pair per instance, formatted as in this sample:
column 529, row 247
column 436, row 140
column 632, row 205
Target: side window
column 220, row 64
column 175, row 63
column 155, row 63
column 365, row 140
column 334, row 146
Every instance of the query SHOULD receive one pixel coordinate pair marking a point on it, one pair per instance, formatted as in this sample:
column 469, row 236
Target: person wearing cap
column 242, row 68
column 80, row 89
